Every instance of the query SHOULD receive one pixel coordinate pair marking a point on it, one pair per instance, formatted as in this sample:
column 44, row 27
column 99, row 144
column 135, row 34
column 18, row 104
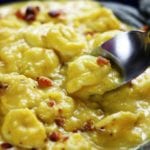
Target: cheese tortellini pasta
column 86, row 77
column 21, row 127
column 55, row 94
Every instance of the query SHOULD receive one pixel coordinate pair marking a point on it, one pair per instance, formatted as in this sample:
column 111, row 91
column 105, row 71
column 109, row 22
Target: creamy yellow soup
column 54, row 93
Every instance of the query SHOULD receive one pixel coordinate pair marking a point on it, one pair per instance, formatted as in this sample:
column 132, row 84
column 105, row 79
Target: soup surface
column 53, row 92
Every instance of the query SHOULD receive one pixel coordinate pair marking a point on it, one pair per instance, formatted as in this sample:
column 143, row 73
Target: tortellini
column 23, row 129
column 20, row 93
column 57, row 105
column 34, row 34
column 65, row 41
column 118, row 122
column 6, row 36
column 11, row 22
column 141, row 85
column 86, row 78
column 32, row 62
column 75, row 142
column 103, row 37
column 99, row 20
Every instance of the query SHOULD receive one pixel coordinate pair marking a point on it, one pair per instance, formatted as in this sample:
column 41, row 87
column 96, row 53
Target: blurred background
column 129, row 2
column 134, row 3
column 132, row 12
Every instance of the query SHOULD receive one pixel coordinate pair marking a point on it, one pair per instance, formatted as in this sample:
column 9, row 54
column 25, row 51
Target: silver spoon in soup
column 129, row 52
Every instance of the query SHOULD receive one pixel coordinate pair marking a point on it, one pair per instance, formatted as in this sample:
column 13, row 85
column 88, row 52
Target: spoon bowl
column 130, row 52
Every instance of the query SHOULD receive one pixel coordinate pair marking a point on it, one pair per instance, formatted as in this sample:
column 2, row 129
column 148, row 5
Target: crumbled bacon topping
column 19, row 14
column 55, row 136
column 90, row 33
column 44, row 82
column 51, row 103
column 88, row 126
column 145, row 28
column 102, row 61
column 5, row 146
column 29, row 14
column 60, row 121
column 3, row 86
column 65, row 138
column 54, row 13
column 130, row 84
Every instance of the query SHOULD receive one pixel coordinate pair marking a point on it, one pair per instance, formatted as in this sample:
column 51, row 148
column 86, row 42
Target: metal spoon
column 129, row 51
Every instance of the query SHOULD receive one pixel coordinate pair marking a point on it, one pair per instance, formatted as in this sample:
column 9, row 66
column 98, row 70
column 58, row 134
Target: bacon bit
column 101, row 129
column 19, row 14
column 33, row 149
column 6, row 145
column 55, row 13
column 3, row 86
column 130, row 84
column 88, row 126
column 111, row 134
column 60, row 111
column 89, row 33
column 60, row 121
column 102, row 61
column 51, row 103
column 55, row 136
column 145, row 28
column 75, row 130
column 29, row 15
column 31, row 12
column 44, row 82
column 65, row 138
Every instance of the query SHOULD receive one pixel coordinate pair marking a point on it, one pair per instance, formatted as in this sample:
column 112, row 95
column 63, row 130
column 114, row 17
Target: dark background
column 134, row 3
column 129, row 2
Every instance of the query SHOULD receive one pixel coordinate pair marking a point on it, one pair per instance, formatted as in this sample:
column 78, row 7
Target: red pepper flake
column 102, row 61
column 60, row 121
column 55, row 13
column 44, row 82
column 5, row 145
column 51, row 103
column 55, row 136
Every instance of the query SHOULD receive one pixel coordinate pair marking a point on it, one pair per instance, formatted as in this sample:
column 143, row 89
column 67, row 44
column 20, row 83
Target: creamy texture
column 53, row 92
